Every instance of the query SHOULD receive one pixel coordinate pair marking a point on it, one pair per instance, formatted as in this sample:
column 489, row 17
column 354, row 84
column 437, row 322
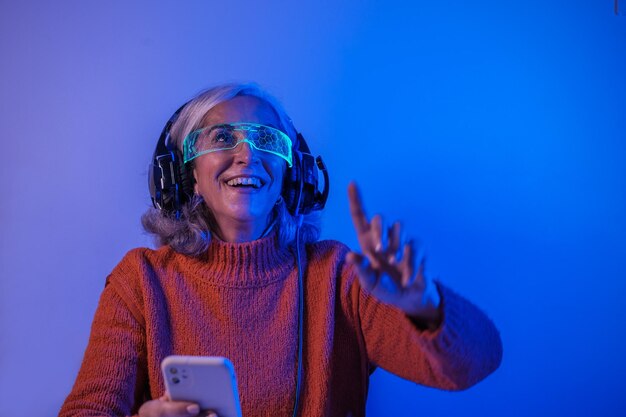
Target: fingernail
column 193, row 409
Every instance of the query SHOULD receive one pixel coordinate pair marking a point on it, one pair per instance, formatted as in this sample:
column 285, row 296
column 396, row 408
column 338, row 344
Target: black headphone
column 171, row 182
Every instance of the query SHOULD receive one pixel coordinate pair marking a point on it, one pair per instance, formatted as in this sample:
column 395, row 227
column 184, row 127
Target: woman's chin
column 255, row 216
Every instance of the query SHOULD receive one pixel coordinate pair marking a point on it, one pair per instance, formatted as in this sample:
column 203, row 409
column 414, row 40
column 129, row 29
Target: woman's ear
column 195, row 182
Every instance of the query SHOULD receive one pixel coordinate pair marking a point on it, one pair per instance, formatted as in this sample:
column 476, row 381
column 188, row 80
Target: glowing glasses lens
column 227, row 136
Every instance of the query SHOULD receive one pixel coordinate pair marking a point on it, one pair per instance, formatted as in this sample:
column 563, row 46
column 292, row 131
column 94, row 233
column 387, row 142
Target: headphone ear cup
column 185, row 173
column 170, row 184
column 292, row 184
column 302, row 190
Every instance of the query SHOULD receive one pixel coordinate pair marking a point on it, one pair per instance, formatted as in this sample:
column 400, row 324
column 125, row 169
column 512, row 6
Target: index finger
column 357, row 211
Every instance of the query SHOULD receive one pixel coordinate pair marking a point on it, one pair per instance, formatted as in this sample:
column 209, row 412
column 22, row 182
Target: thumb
column 367, row 275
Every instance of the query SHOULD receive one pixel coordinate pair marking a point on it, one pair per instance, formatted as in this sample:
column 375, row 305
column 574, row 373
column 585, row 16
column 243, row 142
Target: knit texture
column 241, row 301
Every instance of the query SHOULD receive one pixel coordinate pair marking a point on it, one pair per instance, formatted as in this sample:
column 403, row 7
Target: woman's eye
column 222, row 138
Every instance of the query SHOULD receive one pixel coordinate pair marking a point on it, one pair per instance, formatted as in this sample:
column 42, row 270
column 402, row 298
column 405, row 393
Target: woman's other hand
column 164, row 407
column 391, row 270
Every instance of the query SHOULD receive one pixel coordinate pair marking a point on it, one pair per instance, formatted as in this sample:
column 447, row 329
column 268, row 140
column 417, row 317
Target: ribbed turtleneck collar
column 248, row 264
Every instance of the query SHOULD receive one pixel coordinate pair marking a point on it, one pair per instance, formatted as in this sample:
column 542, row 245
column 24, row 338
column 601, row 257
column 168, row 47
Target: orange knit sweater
column 241, row 302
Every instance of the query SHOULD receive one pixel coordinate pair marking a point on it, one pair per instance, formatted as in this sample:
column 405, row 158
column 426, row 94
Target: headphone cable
column 300, row 318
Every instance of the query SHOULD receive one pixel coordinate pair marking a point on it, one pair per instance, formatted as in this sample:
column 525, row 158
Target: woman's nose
column 245, row 153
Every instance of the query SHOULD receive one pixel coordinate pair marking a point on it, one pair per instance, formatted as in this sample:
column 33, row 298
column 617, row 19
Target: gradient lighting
column 508, row 160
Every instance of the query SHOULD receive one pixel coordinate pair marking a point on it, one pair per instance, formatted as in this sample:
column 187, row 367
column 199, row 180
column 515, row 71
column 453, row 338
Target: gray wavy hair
column 191, row 233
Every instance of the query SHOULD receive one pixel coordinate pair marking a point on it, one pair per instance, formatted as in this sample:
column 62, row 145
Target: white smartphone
column 208, row 381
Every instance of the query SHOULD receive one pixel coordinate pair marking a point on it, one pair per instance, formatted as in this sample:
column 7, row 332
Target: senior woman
column 224, row 282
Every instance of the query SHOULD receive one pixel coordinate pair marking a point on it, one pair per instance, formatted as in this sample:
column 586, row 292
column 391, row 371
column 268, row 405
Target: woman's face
column 240, row 207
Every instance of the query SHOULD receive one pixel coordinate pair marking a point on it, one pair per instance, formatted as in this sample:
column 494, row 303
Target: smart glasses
column 227, row 136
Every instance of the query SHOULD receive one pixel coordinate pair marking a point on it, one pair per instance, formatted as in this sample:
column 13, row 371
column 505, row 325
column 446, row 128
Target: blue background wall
column 495, row 130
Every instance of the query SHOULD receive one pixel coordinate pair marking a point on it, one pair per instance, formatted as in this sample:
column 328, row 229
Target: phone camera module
column 175, row 380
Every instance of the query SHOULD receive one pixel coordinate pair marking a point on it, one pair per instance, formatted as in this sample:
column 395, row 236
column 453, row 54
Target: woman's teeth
column 249, row 181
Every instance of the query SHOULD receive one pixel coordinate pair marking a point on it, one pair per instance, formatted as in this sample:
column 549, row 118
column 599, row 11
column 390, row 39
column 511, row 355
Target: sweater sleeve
column 111, row 380
column 463, row 350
